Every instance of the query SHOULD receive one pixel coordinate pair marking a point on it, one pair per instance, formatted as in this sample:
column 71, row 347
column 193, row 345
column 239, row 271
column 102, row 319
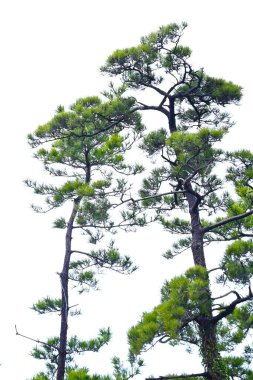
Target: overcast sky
column 51, row 51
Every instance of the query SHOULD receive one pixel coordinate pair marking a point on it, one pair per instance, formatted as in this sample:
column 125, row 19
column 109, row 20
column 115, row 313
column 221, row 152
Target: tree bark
column 197, row 245
column 209, row 351
column 172, row 116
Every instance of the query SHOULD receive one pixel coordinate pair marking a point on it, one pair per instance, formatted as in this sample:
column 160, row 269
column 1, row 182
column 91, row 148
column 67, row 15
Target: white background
column 51, row 51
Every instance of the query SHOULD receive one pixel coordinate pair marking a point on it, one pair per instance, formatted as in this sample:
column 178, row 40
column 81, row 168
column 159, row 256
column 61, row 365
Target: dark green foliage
column 154, row 141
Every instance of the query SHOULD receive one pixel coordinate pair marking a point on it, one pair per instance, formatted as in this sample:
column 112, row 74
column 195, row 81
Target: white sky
column 51, row 51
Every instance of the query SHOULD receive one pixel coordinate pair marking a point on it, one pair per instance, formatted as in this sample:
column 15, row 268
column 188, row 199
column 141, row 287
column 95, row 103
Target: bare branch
column 35, row 340
column 214, row 269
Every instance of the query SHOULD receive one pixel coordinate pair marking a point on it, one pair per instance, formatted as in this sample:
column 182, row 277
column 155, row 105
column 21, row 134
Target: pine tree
column 188, row 195
column 83, row 149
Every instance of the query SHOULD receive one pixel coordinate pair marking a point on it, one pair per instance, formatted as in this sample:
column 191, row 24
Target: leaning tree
column 201, row 193
column 83, row 150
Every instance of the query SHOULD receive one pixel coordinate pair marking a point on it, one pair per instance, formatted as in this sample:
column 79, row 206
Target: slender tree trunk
column 64, row 276
column 65, row 281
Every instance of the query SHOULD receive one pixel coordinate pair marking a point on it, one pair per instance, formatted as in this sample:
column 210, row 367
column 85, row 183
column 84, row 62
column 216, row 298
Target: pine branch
column 227, row 294
column 227, row 310
column 203, row 374
column 151, row 197
column 226, row 221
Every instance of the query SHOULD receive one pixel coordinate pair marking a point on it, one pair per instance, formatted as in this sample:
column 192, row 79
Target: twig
column 35, row 340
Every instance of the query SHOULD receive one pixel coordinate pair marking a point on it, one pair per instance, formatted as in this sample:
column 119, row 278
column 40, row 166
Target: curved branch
column 227, row 294
column 231, row 307
column 145, row 107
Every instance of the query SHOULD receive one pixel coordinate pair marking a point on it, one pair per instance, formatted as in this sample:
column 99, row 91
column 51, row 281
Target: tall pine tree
column 83, row 149
column 187, row 193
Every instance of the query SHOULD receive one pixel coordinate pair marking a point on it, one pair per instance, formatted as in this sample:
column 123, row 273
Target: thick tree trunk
column 64, row 276
column 209, row 350
column 207, row 329
column 172, row 117
column 197, row 235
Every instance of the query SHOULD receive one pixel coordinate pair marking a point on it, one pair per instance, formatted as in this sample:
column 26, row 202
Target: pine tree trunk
column 207, row 330
column 64, row 276
column 209, row 350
